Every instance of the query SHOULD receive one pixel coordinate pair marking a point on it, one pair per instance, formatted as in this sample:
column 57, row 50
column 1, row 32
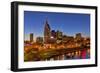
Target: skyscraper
column 31, row 37
column 39, row 40
column 53, row 34
column 47, row 32
column 59, row 34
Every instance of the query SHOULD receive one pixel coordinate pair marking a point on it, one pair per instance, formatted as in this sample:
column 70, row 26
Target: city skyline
column 58, row 21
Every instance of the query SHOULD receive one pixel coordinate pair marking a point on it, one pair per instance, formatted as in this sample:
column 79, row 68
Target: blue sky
column 68, row 23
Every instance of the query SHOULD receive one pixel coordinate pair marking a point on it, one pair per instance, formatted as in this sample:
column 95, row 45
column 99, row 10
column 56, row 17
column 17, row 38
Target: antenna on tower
column 46, row 20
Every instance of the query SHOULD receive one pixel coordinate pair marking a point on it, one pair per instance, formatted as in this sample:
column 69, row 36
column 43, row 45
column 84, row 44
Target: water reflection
column 83, row 54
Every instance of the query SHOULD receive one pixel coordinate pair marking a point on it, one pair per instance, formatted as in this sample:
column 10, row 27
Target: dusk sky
column 68, row 23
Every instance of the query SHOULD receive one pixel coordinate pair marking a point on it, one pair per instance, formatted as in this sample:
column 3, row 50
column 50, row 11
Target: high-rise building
column 39, row 40
column 31, row 37
column 66, row 38
column 53, row 34
column 78, row 36
column 59, row 34
column 47, row 32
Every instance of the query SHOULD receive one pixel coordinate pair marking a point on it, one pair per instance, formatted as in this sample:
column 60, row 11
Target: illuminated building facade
column 59, row 34
column 39, row 40
column 53, row 34
column 67, row 39
column 47, row 32
column 78, row 36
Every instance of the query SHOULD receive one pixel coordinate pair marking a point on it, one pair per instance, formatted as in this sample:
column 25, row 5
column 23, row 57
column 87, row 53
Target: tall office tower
column 47, row 32
column 31, row 37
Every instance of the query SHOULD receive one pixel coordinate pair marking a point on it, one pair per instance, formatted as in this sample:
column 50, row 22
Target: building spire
column 47, row 24
column 46, row 20
column 47, row 31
